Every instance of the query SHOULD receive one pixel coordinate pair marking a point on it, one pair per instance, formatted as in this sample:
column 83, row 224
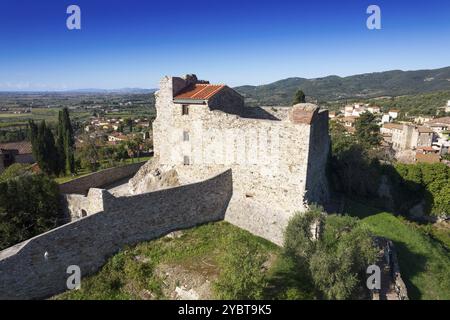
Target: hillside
column 363, row 86
column 187, row 264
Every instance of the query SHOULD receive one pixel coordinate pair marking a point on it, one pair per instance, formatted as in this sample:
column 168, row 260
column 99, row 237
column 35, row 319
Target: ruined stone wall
column 77, row 206
column 37, row 267
column 99, row 179
column 318, row 156
column 272, row 157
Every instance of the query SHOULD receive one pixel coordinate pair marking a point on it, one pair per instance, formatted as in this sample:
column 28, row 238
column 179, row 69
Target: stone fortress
column 277, row 156
column 215, row 159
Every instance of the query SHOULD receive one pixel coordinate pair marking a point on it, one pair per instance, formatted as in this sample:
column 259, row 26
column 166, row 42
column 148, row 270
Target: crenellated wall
column 37, row 267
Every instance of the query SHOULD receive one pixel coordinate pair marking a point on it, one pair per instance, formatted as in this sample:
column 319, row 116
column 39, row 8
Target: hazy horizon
column 133, row 44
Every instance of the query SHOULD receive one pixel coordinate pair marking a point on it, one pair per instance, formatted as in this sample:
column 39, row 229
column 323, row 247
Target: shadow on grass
column 411, row 264
column 290, row 280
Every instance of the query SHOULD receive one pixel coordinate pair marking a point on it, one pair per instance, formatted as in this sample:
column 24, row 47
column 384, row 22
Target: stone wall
column 99, row 179
column 37, row 267
column 77, row 206
column 278, row 156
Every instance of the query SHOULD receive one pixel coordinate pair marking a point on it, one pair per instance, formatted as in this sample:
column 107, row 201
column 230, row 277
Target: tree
column 367, row 130
column 129, row 123
column 299, row 97
column 44, row 149
column 60, row 142
column 344, row 252
column 242, row 273
column 298, row 239
column 88, row 154
column 337, row 258
column 29, row 205
column 65, row 142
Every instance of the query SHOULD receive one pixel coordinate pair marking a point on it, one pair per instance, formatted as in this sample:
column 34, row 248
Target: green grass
column 199, row 249
column 50, row 115
column 424, row 262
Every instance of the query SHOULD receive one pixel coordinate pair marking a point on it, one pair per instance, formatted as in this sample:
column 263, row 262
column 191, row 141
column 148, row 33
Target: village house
column 15, row 152
column 385, row 118
column 394, row 114
column 406, row 136
column 374, row 109
column 441, row 126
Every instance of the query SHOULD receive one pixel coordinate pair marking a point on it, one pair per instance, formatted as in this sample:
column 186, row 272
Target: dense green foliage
column 367, row 130
column 337, row 260
column 44, row 149
column 243, row 273
column 13, row 135
column 430, row 181
column 391, row 83
column 54, row 156
column 355, row 170
column 65, row 143
column 29, row 205
column 418, row 104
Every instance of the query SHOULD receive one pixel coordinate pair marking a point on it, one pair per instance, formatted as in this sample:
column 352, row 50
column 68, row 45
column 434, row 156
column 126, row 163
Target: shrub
column 242, row 273
column 338, row 258
column 29, row 205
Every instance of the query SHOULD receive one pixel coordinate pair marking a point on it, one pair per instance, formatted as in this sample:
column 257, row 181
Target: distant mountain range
column 331, row 88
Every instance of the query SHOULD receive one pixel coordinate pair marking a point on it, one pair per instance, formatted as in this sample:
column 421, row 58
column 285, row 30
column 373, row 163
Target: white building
column 386, row 118
column 394, row 113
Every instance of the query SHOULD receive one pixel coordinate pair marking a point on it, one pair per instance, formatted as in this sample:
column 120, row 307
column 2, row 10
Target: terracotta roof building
column 15, row 152
column 198, row 92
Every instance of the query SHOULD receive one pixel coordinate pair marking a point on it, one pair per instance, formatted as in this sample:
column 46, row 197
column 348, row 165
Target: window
column 185, row 136
column 186, row 160
column 185, row 109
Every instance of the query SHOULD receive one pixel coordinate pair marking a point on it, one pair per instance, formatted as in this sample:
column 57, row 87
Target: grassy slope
column 424, row 262
column 199, row 249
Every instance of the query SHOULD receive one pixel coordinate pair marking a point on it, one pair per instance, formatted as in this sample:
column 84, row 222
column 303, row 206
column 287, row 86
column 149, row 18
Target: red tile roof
column 23, row 147
column 199, row 91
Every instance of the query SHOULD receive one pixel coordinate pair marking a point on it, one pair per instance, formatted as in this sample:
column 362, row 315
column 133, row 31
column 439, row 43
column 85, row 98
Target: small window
column 185, row 136
column 186, row 160
column 185, row 109
column 83, row 213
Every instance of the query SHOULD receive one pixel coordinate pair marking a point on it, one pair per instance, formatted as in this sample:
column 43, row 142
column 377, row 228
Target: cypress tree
column 68, row 142
column 49, row 159
column 60, row 143
column 65, row 142
column 299, row 97
column 33, row 133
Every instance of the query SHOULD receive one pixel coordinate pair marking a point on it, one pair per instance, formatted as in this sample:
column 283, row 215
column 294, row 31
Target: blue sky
column 134, row 43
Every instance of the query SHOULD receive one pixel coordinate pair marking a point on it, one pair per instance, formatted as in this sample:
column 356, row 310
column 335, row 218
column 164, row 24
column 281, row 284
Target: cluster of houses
column 348, row 115
column 112, row 130
column 424, row 143
column 423, row 139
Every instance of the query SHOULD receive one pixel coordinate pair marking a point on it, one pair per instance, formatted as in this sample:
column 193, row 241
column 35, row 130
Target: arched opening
column 83, row 213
